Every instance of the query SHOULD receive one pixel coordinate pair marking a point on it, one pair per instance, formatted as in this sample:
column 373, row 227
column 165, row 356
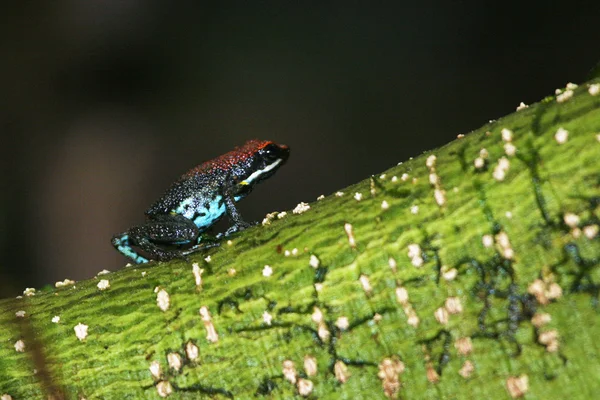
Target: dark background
column 105, row 103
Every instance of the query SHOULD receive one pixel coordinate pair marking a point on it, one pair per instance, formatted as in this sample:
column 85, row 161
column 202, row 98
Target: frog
column 175, row 223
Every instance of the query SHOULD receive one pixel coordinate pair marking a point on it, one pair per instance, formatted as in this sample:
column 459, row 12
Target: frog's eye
column 272, row 152
column 271, row 149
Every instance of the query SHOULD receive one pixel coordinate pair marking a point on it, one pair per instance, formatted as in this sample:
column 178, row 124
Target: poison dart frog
column 198, row 199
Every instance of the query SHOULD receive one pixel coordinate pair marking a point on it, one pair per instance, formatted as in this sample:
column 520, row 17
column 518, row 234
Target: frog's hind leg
column 122, row 243
column 169, row 230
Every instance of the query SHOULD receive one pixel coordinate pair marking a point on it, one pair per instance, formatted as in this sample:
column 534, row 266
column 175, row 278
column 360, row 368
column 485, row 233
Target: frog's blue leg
column 122, row 244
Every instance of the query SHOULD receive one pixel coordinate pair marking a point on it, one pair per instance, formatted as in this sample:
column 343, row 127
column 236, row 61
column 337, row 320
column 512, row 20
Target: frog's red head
column 264, row 157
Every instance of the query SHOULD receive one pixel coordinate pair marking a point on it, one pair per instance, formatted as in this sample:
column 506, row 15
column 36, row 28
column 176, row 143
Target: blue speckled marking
column 125, row 248
column 215, row 210
column 186, row 208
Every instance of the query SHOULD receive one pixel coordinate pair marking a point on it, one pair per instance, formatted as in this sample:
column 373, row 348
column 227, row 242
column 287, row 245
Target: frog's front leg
column 232, row 212
column 158, row 230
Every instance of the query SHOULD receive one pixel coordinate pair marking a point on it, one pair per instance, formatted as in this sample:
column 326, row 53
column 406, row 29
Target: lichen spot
column 453, row 305
column 522, row 106
column 467, row 369
column 267, row 271
column 267, row 318
column 464, row 345
column 317, row 315
column 414, row 253
column 389, row 371
column 103, row 272
column 211, row 332
column 431, row 160
column 540, row 319
column 321, row 197
column 501, row 169
column 591, row 231
column 289, row 371
column 208, row 259
column 19, row 346
column 20, row 314
column 392, row 264
column 402, row 295
column 191, row 351
column 385, row 205
column 339, row 194
column 404, row 177
column 394, row 179
column 342, row 323
column 594, row 89
column 412, row 317
column 197, row 272
column 314, row 261
column 507, row 134
column 550, row 340
column 350, row 233
column 56, row 319
column 163, row 300
column 572, row 220
column 268, row 218
column 164, row 388
column 431, row 373
column 517, row 386
column 561, row 136
column 341, row 371
column 487, row 240
column 6, row 396
column 571, row 86
column 81, row 331
column 434, row 179
column 564, row 96
column 29, row 292
column 174, row 360
column 440, row 196
column 449, row 274
column 441, row 315
column 358, row 196
column 310, row 365
column 281, row 215
column 479, row 163
column 365, row 283
column 301, row 207
column 66, row 282
column 103, row 284
column 510, row 149
column 155, row 369
column 305, row 387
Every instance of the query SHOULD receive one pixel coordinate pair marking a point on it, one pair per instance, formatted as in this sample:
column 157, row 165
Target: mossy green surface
column 545, row 180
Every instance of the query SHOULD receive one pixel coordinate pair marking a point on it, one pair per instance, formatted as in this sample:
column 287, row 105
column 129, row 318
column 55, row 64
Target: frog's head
column 263, row 159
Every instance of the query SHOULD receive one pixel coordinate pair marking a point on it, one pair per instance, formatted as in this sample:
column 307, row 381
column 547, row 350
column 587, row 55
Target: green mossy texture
column 545, row 180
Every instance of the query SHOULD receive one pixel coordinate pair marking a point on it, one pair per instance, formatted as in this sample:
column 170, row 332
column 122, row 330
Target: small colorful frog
column 198, row 199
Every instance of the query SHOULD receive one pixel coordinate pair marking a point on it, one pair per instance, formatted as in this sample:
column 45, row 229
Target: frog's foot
column 197, row 248
column 240, row 226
